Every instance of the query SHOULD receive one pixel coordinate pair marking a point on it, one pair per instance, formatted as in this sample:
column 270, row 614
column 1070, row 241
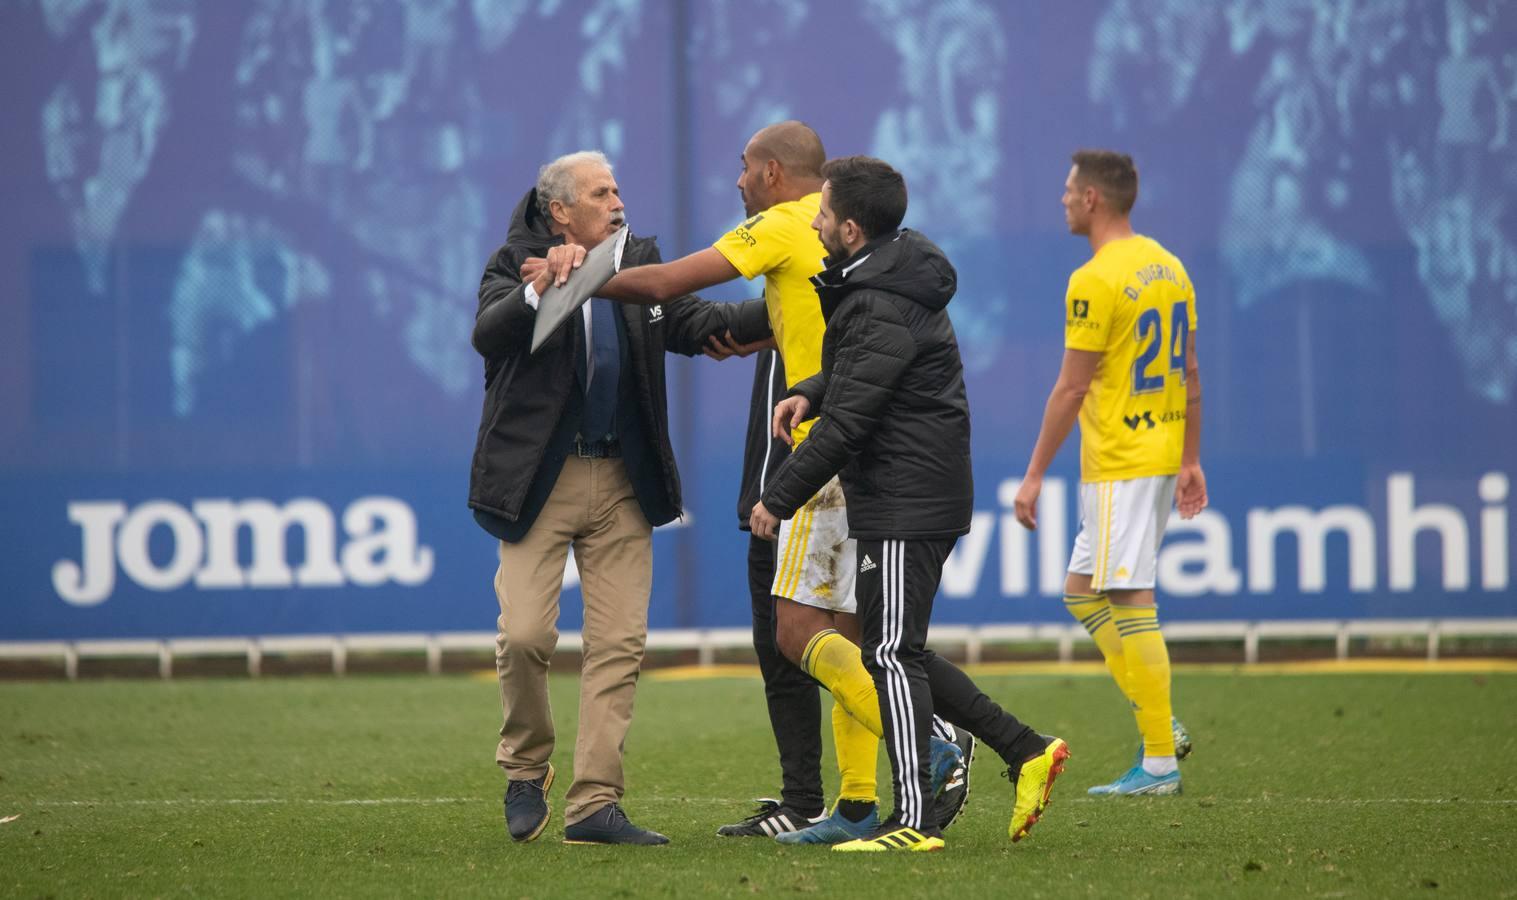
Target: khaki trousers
column 592, row 508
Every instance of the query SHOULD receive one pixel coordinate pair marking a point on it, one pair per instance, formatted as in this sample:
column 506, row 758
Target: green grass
column 1301, row 785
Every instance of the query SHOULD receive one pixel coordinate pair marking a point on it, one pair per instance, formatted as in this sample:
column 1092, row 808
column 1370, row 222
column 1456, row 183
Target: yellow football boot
column 1034, row 784
column 893, row 836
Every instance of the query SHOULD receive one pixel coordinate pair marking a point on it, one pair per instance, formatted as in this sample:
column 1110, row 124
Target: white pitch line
column 722, row 801
column 266, row 801
column 1355, row 801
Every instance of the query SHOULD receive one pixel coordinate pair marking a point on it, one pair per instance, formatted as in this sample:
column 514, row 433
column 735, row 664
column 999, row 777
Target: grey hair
column 556, row 180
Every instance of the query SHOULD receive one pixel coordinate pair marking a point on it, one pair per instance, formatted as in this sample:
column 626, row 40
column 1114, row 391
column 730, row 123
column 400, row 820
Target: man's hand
column 763, row 523
column 1026, row 504
column 555, row 269
column 789, row 413
column 562, row 260
column 1190, row 490
column 724, row 347
column 534, row 271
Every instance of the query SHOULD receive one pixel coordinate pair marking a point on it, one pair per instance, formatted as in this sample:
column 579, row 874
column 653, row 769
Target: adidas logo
column 867, row 565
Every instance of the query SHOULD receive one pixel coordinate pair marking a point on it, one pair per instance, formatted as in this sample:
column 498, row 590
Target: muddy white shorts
column 1121, row 526
column 816, row 560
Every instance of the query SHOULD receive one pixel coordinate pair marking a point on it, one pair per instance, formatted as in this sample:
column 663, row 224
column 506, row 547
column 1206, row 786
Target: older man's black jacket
column 532, row 400
column 894, row 418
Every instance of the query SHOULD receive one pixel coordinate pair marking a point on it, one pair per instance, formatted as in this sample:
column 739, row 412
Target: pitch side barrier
column 972, row 639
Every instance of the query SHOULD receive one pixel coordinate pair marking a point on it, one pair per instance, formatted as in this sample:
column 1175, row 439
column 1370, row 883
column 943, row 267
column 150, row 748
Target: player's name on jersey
column 1148, row 275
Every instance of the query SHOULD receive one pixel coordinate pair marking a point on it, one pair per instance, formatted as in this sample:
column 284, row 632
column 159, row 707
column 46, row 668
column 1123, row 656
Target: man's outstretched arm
column 656, row 284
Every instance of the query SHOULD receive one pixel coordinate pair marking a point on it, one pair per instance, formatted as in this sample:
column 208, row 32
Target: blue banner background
column 242, row 243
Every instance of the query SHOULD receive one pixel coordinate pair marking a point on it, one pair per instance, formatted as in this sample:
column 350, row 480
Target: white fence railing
column 706, row 642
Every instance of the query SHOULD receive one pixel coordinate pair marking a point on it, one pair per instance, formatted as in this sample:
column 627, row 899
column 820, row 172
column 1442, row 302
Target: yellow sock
column 836, row 662
column 858, row 751
column 1094, row 612
column 1147, row 675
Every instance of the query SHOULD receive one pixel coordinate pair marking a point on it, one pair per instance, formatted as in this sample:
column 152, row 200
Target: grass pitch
column 1304, row 785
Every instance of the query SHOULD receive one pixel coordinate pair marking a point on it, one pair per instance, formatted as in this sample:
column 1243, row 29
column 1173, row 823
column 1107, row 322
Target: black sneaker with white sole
column 771, row 818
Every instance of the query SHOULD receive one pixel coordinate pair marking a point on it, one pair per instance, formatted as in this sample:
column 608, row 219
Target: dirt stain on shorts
column 829, row 497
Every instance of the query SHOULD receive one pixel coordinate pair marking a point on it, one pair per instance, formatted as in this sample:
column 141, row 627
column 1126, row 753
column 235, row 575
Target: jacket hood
column 529, row 230
column 904, row 263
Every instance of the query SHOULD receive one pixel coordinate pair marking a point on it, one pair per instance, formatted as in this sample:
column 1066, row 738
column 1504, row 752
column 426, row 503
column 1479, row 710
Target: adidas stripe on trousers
column 896, row 584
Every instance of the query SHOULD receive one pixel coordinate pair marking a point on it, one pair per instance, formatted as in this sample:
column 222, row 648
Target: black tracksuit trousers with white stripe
column 896, row 583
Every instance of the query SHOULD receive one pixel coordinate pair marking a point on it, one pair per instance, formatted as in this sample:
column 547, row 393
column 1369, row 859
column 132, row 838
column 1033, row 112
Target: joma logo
column 380, row 546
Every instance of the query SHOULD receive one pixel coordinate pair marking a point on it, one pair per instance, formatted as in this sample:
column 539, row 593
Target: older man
column 573, row 451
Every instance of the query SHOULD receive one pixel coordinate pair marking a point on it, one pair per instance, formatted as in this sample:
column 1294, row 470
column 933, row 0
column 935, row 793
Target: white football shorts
column 816, row 559
column 1121, row 526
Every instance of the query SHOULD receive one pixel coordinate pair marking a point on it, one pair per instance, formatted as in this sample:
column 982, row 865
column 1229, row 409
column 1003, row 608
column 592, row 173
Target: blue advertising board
column 242, row 242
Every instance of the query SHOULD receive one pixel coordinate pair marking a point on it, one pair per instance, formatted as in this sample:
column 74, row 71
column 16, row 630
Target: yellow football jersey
column 1134, row 304
column 780, row 244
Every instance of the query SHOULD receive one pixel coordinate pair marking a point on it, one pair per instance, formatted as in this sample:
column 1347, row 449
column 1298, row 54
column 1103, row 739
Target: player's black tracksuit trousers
column 794, row 698
column 896, row 583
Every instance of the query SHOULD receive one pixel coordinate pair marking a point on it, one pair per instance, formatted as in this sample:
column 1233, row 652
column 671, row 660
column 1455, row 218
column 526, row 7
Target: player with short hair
column 812, row 588
column 892, row 427
column 1130, row 376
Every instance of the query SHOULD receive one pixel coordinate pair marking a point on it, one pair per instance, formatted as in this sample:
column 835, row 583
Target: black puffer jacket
column 894, row 418
column 526, row 394
column 762, row 451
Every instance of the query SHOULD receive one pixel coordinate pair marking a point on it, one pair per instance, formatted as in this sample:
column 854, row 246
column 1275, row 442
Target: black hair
column 867, row 190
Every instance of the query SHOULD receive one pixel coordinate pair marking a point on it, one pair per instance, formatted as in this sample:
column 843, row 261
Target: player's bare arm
column 660, row 283
column 1190, row 487
column 1059, row 417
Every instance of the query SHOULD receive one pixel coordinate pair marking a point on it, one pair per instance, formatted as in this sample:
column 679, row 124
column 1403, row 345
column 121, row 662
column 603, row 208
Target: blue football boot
column 950, row 776
column 1138, row 783
column 835, row 829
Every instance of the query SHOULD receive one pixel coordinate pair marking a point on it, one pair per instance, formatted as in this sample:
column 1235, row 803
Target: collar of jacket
column 904, row 264
column 836, row 274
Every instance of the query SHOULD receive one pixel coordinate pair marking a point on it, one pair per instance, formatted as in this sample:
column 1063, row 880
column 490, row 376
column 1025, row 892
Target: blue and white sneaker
column 1138, row 783
column 950, row 775
column 835, row 829
column 944, row 757
column 1183, row 744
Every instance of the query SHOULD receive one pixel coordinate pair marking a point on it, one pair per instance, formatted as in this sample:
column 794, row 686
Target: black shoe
column 953, row 796
column 771, row 818
column 609, row 825
column 527, row 806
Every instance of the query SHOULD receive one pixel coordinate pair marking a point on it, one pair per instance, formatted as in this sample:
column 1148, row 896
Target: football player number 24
column 1149, row 334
